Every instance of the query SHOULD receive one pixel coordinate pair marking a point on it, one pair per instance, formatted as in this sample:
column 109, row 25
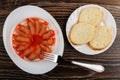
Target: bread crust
column 87, row 38
column 82, row 16
column 106, row 43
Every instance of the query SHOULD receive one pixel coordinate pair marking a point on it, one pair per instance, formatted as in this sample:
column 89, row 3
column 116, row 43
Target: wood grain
column 61, row 11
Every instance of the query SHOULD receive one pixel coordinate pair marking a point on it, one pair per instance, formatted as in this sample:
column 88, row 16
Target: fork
column 58, row 59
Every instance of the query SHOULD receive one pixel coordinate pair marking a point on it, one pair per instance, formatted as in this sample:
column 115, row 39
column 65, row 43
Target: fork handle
column 94, row 67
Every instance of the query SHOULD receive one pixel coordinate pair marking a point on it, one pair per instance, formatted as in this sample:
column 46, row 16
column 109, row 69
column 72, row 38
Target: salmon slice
column 25, row 29
column 20, row 38
column 31, row 26
column 49, row 42
column 37, row 25
column 43, row 28
column 35, row 18
column 33, row 55
column 28, row 50
column 40, row 56
column 19, row 43
column 21, row 33
column 48, row 34
column 20, row 48
column 45, row 48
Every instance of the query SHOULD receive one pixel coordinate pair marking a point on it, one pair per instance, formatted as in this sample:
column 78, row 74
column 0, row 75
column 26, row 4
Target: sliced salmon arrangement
column 33, row 39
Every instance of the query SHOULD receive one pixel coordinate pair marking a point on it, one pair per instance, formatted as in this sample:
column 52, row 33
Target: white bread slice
column 92, row 15
column 81, row 33
column 102, row 38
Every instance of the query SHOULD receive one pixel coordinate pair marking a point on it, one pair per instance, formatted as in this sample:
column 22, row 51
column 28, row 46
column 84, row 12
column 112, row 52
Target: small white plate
column 108, row 20
column 19, row 15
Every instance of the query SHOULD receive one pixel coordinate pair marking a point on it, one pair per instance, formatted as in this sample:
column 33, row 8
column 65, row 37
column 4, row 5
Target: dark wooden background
column 61, row 10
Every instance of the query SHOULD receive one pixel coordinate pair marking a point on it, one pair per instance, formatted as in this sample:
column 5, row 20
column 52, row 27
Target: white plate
column 19, row 15
column 108, row 20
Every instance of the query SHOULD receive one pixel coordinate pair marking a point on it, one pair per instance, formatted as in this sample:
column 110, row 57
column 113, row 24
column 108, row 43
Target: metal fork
column 58, row 59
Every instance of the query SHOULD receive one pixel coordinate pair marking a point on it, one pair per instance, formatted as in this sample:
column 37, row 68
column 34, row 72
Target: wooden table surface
column 61, row 10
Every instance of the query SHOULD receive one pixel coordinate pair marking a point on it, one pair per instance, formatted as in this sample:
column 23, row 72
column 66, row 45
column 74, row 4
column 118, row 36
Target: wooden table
column 61, row 10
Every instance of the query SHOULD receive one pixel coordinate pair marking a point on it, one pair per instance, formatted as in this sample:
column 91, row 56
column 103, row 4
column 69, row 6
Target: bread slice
column 92, row 15
column 81, row 33
column 102, row 38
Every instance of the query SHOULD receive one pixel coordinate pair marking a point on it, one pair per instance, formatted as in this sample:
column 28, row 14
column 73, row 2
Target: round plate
column 19, row 15
column 108, row 20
